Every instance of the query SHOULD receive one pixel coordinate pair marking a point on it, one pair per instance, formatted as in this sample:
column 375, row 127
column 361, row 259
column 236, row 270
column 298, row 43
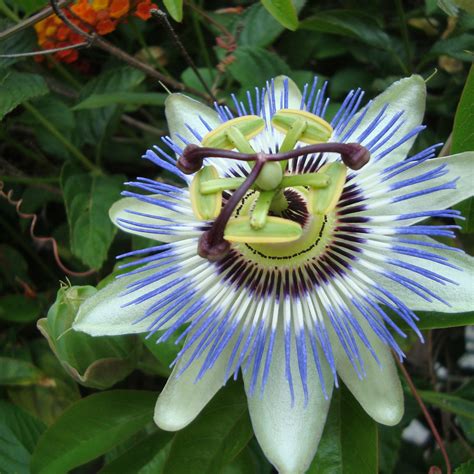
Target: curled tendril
column 8, row 196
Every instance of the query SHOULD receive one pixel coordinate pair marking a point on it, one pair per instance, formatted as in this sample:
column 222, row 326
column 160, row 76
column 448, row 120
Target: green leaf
column 23, row 41
column 253, row 66
column 19, row 308
column 431, row 320
column 145, row 457
column 58, row 113
column 259, row 27
column 162, row 354
column 19, row 433
column 175, row 9
column 97, row 362
column 215, row 438
column 55, row 392
column 96, row 101
column 92, row 124
column 12, row 266
column 349, row 444
column 90, row 428
column 466, row 468
column 88, row 198
column 18, row 372
column 245, row 463
column 18, row 87
column 283, row 11
column 451, row 403
column 189, row 78
column 463, row 140
column 351, row 24
column 30, row 6
column 457, row 47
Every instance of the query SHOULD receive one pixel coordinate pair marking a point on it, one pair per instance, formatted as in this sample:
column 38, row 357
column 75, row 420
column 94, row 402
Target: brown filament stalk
column 427, row 416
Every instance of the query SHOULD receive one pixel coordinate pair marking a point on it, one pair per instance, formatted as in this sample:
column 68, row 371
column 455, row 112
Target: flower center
column 315, row 232
column 271, row 214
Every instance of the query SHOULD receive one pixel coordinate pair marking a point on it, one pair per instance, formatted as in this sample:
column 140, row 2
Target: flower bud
column 97, row 362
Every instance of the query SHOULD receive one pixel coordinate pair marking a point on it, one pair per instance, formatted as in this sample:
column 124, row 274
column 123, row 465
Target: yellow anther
column 249, row 126
column 316, row 129
column 205, row 206
column 275, row 231
column 324, row 200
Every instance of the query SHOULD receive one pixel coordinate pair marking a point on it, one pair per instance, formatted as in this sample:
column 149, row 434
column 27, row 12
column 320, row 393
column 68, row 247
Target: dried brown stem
column 8, row 196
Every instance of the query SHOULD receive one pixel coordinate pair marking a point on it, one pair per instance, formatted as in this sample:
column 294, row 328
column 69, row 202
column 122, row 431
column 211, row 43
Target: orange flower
column 119, row 8
column 100, row 16
column 106, row 26
column 143, row 10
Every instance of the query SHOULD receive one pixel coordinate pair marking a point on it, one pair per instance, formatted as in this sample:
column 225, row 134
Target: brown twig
column 163, row 18
column 8, row 196
column 142, row 126
column 426, row 414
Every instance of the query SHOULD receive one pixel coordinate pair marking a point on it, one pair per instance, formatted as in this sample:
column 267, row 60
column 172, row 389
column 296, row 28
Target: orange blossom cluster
column 99, row 16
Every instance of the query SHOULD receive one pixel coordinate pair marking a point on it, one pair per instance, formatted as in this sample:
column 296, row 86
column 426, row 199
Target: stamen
column 212, row 244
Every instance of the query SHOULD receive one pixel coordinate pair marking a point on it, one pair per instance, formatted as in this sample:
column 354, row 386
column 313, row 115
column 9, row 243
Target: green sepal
column 275, row 231
column 97, row 362
column 317, row 130
column 205, row 206
column 248, row 126
column 324, row 200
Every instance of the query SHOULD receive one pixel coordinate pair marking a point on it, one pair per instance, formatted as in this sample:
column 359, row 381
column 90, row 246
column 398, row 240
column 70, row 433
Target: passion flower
column 295, row 241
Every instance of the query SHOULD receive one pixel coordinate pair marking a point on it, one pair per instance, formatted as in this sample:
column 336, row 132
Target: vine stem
column 426, row 414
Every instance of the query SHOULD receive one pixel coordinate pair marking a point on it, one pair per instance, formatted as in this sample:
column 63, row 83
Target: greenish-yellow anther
column 205, row 206
column 317, row 130
column 222, row 137
column 259, row 216
column 324, row 200
column 276, row 230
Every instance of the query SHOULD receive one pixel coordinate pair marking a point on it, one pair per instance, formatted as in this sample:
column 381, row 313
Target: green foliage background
column 68, row 140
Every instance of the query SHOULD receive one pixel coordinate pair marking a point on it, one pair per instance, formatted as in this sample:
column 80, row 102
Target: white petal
column 182, row 399
column 460, row 296
column 289, row 436
column 408, row 95
column 120, row 211
column 379, row 392
column 459, row 166
column 181, row 110
column 103, row 314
